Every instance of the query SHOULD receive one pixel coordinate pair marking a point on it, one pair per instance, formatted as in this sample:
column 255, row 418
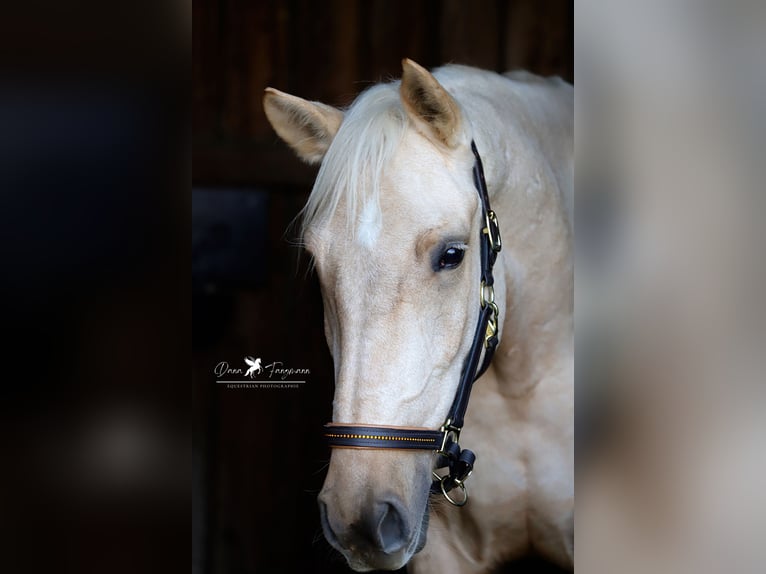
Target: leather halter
column 445, row 440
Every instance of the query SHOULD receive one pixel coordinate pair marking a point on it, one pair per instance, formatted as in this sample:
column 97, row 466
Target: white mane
column 371, row 131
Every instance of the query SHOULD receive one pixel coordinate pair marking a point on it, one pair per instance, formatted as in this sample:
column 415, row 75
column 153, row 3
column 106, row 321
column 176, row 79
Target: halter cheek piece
column 444, row 441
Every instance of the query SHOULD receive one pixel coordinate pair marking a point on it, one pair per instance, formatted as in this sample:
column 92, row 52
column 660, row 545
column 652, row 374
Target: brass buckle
column 491, row 324
column 486, row 294
column 492, row 229
column 487, row 298
column 448, row 429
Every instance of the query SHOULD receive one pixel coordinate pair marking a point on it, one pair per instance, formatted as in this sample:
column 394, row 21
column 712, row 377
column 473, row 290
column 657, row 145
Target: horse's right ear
column 428, row 104
column 307, row 127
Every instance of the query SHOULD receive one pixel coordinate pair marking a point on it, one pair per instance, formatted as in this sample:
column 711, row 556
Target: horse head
column 393, row 224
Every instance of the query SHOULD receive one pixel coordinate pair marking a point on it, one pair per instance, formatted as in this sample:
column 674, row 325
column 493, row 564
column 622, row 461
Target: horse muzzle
column 376, row 525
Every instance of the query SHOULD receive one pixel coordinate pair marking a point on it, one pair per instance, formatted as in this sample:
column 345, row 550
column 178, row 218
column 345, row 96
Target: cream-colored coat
column 380, row 215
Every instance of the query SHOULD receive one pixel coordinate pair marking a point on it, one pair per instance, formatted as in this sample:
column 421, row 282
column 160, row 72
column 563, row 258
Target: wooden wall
column 258, row 455
column 331, row 50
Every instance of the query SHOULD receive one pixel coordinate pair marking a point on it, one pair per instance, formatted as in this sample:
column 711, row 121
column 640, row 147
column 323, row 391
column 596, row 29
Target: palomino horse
column 394, row 224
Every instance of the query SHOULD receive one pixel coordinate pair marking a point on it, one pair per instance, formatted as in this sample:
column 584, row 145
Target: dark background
column 258, row 459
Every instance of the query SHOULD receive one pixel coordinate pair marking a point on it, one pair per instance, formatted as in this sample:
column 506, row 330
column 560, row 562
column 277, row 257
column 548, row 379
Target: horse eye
column 451, row 258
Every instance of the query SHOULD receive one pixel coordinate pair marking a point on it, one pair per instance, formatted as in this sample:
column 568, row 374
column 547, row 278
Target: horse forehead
column 414, row 197
column 417, row 162
column 422, row 188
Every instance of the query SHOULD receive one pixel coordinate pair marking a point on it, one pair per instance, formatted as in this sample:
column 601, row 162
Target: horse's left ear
column 429, row 105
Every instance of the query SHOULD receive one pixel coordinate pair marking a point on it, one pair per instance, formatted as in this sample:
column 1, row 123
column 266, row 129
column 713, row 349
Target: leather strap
column 471, row 369
column 488, row 254
column 382, row 437
column 445, row 440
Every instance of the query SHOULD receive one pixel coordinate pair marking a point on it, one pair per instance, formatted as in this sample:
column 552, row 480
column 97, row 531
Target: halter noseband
column 445, row 440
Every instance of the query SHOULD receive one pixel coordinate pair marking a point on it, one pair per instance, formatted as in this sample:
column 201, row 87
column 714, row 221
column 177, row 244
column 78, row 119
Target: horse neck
column 536, row 260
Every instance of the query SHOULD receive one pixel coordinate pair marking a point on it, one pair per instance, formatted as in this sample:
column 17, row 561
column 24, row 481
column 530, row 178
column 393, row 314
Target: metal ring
column 486, row 294
column 449, row 498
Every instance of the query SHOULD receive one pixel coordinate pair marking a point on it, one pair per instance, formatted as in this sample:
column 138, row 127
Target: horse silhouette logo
column 255, row 367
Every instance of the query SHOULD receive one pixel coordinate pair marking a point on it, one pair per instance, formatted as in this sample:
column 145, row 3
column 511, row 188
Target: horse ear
column 429, row 105
column 307, row 127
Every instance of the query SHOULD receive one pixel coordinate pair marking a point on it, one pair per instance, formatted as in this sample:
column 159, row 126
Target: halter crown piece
column 444, row 441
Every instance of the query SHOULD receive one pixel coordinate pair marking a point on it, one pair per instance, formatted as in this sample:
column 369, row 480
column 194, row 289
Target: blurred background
column 258, row 458
column 670, row 275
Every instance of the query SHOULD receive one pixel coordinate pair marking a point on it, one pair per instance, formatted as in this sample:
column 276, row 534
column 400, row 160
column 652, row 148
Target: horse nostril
column 390, row 531
column 382, row 528
column 328, row 531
